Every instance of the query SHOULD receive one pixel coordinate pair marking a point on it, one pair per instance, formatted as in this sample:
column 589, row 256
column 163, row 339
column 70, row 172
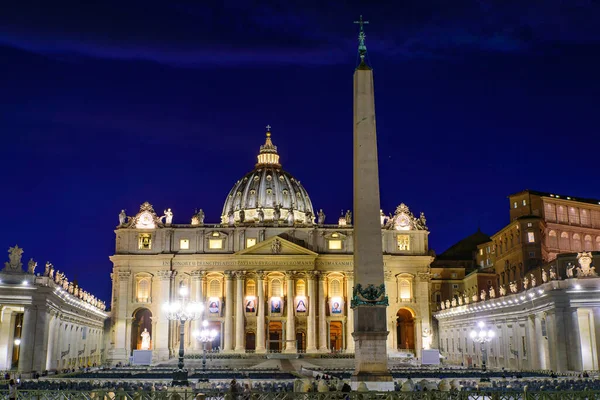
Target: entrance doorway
column 275, row 336
column 250, row 341
column 405, row 329
column 142, row 319
column 216, row 343
column 335, row 335
column 300, row 342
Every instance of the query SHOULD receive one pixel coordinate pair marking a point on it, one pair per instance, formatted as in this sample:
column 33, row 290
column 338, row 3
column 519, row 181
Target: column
column 260, row 313
column 229, row 304
column 40, row 345
column 311, row 338
column 27, row 340
column 239, row 313
column 198, row 296
column 160, row 339
column 322, row 315
column 290, row 329
column 533, row 357
column 349, row 313
column 6, row 329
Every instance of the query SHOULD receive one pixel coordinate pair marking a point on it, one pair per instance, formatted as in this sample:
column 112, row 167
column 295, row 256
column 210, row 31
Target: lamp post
column 204, row 336
column 482, row 337
column 182, row 311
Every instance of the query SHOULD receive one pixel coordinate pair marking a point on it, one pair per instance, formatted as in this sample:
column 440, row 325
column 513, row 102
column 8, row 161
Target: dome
column 268, row 193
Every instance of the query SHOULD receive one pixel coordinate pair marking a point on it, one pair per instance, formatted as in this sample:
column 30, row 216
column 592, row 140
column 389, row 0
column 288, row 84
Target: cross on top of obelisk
column 362, row 48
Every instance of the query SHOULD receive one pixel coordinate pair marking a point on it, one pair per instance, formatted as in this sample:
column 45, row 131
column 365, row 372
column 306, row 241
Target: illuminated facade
column 274, row 277
column 47, row 322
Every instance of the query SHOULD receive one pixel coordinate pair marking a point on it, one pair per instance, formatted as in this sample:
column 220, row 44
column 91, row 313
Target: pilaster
column 290, row 336
column 239, row 313
column 311, row 339
column 322, row 314
column 260, row 313
column 229, row 305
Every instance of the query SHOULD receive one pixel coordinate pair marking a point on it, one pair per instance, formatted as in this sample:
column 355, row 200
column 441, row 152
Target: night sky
column 107, row 105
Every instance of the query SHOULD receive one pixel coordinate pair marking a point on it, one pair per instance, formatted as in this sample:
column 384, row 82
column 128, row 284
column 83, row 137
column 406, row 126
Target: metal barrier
column 214, row 395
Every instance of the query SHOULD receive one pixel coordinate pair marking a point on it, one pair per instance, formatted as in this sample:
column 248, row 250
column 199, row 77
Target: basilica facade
column 272, row 274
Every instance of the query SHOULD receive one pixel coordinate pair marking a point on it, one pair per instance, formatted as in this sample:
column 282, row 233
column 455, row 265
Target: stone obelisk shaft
column 370, row 328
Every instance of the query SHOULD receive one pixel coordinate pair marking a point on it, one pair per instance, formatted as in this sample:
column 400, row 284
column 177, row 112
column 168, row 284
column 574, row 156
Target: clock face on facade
column 403, row 222
column 145, row 221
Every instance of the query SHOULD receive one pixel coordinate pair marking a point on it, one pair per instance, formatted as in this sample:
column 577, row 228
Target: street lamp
column 482, row 337
column 182, row 311
column 204, row 336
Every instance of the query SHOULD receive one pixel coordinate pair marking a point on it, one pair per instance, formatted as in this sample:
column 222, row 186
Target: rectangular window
column 215, row 244
column 250, row 242
column 145, row 241
column 515, row 204
column 480, row 252
column 481, row 263
column 532, row 254
column 524, row 202
column 184, row 244
column 454, row 286
column 335, row 244
column 530, row 237
column 453, row 275
column 403, row 242
column 529, row 224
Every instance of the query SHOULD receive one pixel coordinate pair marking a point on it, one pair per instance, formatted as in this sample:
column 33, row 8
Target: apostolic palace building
column 274, row 275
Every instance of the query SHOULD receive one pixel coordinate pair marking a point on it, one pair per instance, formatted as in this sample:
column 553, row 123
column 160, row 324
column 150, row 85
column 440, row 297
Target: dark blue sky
column 106, row 106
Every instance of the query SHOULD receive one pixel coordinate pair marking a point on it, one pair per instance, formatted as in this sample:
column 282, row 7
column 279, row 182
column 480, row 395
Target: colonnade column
column 198, row 296
column 27, row 339
column 312, row 315
column 290, row 329
column 161, row 335
column 260, row 313
column 229, row 304
column 239, row 313
column 349, row 313
column 322, row 315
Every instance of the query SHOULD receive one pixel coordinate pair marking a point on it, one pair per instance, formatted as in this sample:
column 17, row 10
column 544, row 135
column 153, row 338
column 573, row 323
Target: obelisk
column 369, row 299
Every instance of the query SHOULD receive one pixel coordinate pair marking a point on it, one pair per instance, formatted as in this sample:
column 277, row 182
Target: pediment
column 277, row 246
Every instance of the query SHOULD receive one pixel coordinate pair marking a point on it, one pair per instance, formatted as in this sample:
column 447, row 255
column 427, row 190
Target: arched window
column 587, row 243
column 576, row 245
column 335, row 288
column 143, row 290
column 250, row 288
column 552, row 240
column 276, row 288
column 564, row 241
column 405, row 289
column 300, row 288
column 214, row 288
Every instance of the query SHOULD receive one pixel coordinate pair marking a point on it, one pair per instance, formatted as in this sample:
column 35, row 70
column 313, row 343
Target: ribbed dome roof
column 266, row 191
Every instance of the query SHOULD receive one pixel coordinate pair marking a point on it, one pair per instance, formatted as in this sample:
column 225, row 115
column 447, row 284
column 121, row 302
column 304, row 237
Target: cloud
column 190, row 35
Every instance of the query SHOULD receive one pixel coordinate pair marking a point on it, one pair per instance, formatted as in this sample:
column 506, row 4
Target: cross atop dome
column 268, row 151
column 362, row 47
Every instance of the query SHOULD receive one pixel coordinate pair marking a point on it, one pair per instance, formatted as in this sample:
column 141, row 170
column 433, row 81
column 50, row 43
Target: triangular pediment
column 276, row 246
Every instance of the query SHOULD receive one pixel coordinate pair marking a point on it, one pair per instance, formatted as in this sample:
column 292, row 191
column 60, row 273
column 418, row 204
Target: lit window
column 453, row 275
column 530, row 237
column 215, row 244
column 335, row 235
column 215, row 234
column 335, row 288
column 250, row 242
column 524, row 202
column 276, row 288
column 515, row 204
column 454, row 286
column 529, row 224
column 143, row 290
column 300, row 288
column 250, row 288
column 403, row 242
column 404, row 289
column 480, row 252
column 145, row 241
column 214, row 288
column 184, row 244
column 335, row 244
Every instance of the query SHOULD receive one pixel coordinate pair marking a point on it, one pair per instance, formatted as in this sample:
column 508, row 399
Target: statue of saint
column 200, row 216
column 308, row 218
column 525, row 283
column 460, row 300
column 31, row 266
column 65, row 282
column 122, row 217
column 168, row 216
column 466, row 297
column 276, row 213
column 145, row 340
column 553, row 273
column 483, row 295
column 70, row 288
column 47, row 268
column 261, row 215
column 321, row 217
column 570, row 268
column 442, row 305
column 427, row 338
column 453, row 302
column 474, row 297
column 290, row 217
column 349, row 217
column 492, row 292
column 383, row 218
column 532, row 280
column 447, row 303
column 14, row 255
column 544, row 276
column 513, row 287
column 230, row 217
column 242, row 216
column 502, row 290
column 422, row 220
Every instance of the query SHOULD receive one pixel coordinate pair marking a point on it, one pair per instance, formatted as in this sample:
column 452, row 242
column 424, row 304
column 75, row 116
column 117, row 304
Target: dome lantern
column 268, row 152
